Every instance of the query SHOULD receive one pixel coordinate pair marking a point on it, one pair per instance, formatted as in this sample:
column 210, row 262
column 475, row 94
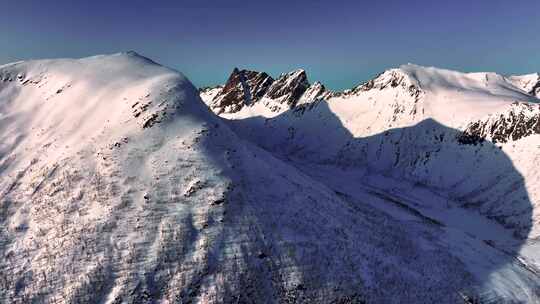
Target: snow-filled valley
column 120, row 182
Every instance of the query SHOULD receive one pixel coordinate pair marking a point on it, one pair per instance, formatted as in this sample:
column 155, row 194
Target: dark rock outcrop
column 521, row 120
column 289, row 87
column 242, row 88
column 245, row 87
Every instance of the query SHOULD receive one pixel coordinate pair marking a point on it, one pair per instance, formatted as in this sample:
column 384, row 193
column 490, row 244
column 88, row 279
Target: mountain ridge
column 408, row 76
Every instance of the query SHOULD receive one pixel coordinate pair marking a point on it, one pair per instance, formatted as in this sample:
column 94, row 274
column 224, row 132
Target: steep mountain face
column 287, row 90
column 242, row 88
column 529, row 83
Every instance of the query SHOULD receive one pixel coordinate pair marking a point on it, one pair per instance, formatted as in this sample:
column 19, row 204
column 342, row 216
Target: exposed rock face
column 242, row 88
column 289, row 87
column 245, row 88
column 521, row 120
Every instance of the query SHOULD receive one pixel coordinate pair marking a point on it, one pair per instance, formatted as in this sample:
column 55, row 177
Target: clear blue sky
column 338, row 42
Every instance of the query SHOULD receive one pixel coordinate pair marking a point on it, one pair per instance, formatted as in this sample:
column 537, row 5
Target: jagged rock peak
column 289, row 87
column 242, row 88
column 256, row 83
column 246, row 88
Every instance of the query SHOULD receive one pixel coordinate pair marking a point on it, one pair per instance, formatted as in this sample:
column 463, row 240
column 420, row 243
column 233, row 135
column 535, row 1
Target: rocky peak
column 245, row 87
column 242, row 88
column 254, row 84
column 288, row 88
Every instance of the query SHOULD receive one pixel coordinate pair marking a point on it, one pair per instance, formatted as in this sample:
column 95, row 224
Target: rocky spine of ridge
column 242, row 88
column 521, row 120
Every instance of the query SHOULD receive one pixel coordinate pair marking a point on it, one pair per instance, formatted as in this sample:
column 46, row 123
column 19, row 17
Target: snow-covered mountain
column 428, row 119
column 529, row 83
column 469, row 138
column 119, row 185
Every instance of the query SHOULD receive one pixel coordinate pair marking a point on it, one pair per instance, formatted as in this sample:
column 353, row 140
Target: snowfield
column 119, row 185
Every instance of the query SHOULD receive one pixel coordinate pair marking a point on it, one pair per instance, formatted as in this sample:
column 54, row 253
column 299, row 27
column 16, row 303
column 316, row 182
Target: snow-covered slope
column 412, row 93
column 118, row 185
column 209, row 93
column 529, row 83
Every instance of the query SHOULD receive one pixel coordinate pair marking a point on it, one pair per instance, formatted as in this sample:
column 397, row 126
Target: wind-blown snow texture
column 118, row 185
